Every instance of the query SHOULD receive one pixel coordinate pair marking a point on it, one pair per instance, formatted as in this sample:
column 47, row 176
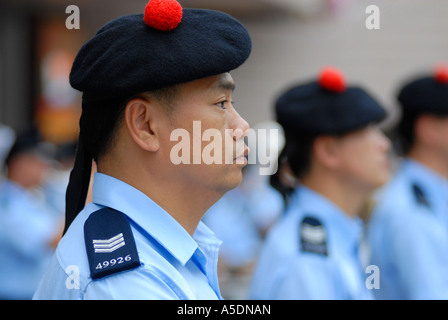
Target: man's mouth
column 242, row 157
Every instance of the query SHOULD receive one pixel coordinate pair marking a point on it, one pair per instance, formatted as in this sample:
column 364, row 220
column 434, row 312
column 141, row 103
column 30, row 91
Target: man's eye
column 222, row 104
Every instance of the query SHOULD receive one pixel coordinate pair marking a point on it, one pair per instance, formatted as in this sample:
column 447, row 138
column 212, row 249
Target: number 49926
column 112, row 262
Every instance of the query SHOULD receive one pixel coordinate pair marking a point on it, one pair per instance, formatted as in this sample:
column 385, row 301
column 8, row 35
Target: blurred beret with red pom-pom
column 426, row 94
column 326, row 106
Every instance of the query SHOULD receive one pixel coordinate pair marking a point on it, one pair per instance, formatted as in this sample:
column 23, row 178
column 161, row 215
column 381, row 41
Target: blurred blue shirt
column 407, row 234
column 174, row 265
column 27, row 227
column 239, row 219
column 287, row 270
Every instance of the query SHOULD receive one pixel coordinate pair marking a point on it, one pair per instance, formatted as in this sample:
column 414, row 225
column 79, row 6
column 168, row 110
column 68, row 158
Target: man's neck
column 349, row 199
column 430, row 159
column 186, row 204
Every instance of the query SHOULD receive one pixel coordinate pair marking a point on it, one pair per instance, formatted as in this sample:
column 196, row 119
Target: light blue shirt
column 287, row 271
column 27, row 227
column 174, row 265
column 408, row 236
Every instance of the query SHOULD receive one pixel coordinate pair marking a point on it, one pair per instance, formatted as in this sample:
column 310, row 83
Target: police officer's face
column 431, row 134
column 204, row 109
column 364, row 157
column 441, row 127
column 28, row 170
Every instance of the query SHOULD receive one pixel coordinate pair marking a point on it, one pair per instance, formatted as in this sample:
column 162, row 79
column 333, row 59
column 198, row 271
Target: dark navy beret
column 326, row 106
column 428, row 94
column 127, row 56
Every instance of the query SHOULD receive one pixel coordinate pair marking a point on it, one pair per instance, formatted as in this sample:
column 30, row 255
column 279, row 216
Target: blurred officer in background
column 335, row 149
column 407, row 230
column 29, row 231
column 58, row 176
column 143, row 76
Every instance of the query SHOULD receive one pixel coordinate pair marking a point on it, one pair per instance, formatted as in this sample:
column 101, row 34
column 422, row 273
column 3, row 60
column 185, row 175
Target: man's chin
column 235, row 177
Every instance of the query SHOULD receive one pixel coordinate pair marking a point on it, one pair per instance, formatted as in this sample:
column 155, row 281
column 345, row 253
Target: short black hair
column 298, row 154
column 100, row 120
column 403, row 136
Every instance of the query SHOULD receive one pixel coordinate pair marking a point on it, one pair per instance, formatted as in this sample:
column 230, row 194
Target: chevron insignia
column 105, row 232
column 313, row 237
column 109, row 245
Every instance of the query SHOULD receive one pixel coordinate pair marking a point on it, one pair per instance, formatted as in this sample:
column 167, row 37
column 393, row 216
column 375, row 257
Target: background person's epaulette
column 313, row 237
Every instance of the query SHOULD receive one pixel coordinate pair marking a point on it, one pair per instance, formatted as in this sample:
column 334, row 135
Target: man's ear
column 140, row 121
column 326, row 151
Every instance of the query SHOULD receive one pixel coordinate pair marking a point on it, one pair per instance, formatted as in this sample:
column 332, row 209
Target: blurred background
column 292, row 41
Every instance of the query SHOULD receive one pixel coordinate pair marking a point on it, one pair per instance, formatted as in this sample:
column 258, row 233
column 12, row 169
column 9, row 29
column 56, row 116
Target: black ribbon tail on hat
column 78, row 185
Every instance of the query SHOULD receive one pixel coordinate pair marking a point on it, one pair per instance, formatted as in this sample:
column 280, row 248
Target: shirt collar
column 423, row 173
column 435, row 185
column 11, row 185
column 342, row 228
column 116, row 194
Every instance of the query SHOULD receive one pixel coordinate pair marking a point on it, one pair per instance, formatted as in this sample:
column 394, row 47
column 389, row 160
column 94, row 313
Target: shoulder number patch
column 420, row 196
column 109, row 243
column 313, row 237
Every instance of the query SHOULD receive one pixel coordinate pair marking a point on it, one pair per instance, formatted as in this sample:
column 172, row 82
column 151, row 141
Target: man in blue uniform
column 338, row 156
column 142, row 77
column 408, row 229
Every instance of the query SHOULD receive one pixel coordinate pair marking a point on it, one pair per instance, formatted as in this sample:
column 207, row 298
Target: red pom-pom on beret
column 164, row 15
column 332, row 79
column 441, row 74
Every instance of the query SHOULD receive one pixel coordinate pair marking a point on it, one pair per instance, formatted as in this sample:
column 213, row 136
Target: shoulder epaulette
column 419, row 195
column 313, row 237
column 109, row 243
